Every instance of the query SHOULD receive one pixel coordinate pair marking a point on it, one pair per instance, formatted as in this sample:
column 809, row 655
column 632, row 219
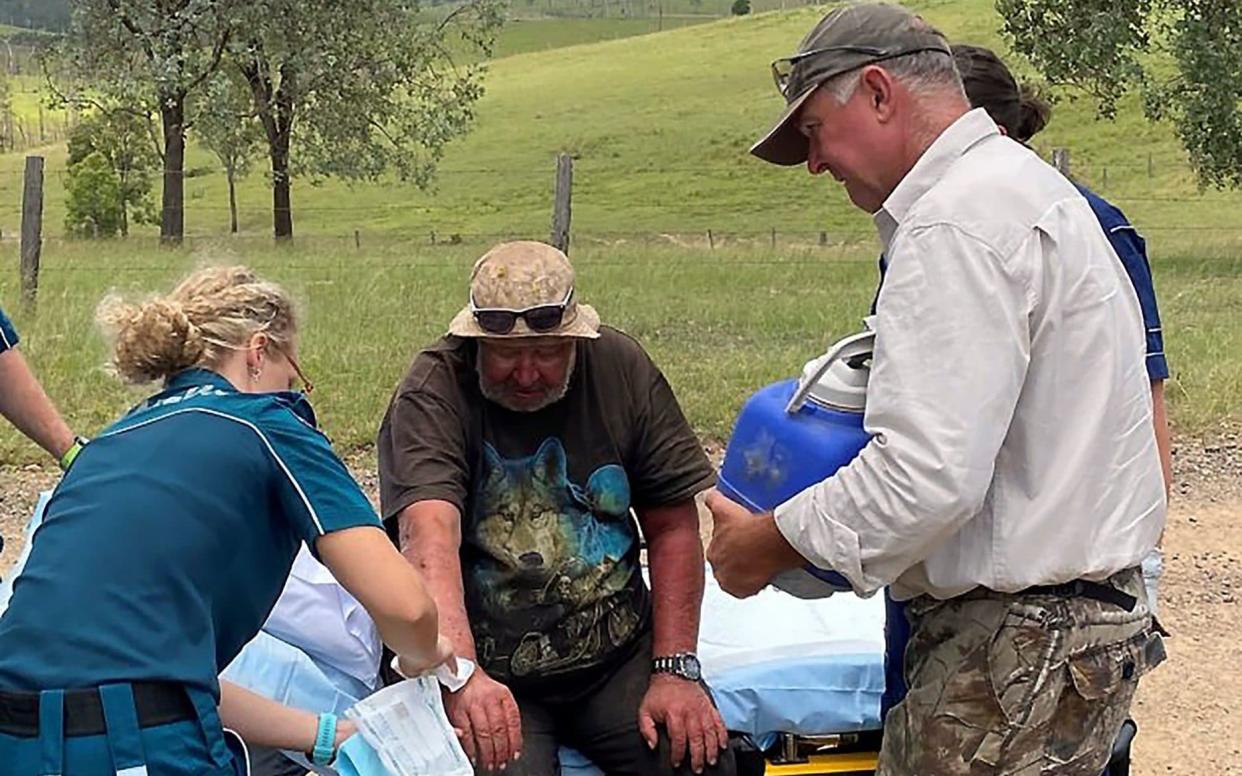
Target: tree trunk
column 282, row 201
column 275, row 111
column 172, row 215
column 124, row 175
column 232, row 176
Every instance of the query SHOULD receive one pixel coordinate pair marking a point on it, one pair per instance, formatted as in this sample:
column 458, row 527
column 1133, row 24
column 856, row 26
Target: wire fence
column 606, row 193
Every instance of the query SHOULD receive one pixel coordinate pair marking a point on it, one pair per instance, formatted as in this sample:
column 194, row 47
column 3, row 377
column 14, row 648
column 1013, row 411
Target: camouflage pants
column 1018, row 685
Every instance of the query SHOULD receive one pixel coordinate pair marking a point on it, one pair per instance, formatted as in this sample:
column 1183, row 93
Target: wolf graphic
column 556, row 556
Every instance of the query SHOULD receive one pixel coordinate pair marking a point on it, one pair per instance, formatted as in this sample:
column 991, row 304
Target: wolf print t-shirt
column 550, row 548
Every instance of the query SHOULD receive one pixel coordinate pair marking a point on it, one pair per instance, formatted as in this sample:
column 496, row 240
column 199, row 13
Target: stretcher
column 802, row 678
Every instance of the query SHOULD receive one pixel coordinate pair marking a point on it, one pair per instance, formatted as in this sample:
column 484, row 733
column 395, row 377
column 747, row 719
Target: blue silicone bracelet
column 325, row 740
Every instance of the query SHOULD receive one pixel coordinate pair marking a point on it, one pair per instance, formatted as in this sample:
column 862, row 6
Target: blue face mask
column 357, row 758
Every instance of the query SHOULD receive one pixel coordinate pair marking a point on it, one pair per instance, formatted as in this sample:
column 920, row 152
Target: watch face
column 690, row 668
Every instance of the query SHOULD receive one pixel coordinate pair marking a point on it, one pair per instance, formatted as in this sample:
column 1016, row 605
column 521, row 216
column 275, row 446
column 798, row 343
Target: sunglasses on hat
column 539, row 318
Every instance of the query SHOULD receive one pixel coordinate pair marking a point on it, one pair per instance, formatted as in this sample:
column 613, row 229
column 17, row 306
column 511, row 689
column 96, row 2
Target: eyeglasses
column 539, row 318
column 782, row 69
column 307, row 385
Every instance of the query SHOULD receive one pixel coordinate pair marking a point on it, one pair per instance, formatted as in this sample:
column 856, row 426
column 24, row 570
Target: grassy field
column 659, row 124
column 720, row 323
column 27, row 97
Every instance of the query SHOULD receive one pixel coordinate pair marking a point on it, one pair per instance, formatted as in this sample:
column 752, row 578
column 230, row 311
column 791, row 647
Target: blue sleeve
column 1132, row 250
column 314, row 488
column 8, row 334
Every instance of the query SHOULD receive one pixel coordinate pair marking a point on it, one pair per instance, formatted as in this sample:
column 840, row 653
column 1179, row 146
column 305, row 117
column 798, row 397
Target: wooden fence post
column 1061, row 160
column 711, row 240
column 561, row 210
column 32, row 228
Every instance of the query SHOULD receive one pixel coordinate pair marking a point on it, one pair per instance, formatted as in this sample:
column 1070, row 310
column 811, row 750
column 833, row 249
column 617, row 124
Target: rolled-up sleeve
column 951, row 354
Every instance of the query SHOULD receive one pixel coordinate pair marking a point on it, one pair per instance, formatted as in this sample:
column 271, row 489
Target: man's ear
column 880, row 88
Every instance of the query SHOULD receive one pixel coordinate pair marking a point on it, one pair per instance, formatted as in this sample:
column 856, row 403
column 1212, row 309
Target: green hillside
column 659, row 124
column 522, row 35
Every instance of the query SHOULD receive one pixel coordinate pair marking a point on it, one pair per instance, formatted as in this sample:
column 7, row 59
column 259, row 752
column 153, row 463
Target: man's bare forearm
column 675, row 557
column 26, row 405
column 430, row 539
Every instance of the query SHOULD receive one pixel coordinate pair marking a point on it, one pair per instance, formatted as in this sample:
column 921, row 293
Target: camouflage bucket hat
column 847, row 38
column 524, row 289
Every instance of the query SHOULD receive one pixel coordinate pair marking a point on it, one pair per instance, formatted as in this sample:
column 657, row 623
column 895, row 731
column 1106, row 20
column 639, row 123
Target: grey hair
column 923, row 72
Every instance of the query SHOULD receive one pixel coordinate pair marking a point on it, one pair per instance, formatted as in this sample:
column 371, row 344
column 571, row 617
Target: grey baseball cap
column 846, row 39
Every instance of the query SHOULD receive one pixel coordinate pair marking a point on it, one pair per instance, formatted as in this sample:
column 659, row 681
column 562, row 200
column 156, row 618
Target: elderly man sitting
column 510, row 459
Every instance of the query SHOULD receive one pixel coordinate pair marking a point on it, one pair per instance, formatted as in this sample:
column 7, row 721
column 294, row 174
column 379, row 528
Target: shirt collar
column 950, row 146
column 196, row 377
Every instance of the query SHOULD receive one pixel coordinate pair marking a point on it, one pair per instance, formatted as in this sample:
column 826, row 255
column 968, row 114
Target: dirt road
column 1189, row 711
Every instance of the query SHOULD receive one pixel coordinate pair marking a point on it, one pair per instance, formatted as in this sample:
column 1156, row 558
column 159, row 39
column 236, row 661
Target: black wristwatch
column 683, row 664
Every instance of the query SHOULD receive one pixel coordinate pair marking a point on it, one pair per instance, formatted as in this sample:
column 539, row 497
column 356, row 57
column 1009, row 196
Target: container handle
column 854, row 345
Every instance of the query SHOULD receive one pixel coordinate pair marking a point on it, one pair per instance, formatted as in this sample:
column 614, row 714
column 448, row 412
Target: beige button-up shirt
column 1011, row 411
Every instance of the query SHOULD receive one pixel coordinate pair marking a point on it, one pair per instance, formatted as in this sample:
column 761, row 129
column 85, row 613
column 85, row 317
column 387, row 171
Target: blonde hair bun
column 210, row 313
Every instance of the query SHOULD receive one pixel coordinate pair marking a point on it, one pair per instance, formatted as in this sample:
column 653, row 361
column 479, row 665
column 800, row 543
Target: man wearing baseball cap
column 510, row 459
column 1012, row 484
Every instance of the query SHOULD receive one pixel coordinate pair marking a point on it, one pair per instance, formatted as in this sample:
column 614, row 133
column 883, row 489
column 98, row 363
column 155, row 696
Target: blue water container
column 793, row 434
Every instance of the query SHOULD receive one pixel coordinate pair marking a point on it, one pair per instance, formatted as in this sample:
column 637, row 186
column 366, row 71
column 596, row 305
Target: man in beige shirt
column 1012, row 485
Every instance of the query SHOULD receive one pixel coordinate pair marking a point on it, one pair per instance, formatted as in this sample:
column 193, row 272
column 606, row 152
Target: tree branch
column 384, row 131
column 133, row 28
column 216, row 54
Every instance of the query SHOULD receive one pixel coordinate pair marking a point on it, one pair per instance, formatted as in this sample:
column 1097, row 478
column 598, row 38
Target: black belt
column 157, row 703
column 1085, row 588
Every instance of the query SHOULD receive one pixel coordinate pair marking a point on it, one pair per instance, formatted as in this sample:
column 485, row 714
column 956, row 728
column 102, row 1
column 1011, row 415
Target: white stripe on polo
column 310, row 508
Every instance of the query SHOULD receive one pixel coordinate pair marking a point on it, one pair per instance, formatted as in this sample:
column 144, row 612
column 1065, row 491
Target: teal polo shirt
column 167, row 543
column 8, row 334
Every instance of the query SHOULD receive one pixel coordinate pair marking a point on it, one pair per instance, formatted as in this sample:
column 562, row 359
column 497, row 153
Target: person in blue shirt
column 24, row 403
column 1021, row 113
column 169, row 539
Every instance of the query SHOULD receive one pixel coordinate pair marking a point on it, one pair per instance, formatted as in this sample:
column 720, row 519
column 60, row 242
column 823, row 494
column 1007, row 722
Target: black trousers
column 602, row 724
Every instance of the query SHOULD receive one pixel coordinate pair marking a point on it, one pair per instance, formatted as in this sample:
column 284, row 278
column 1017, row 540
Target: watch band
column 677, row 665
column 325, row 740
column 71, row 454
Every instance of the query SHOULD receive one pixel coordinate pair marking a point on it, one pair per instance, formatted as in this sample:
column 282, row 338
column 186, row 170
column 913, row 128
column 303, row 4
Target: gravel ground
column 1187, row 710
